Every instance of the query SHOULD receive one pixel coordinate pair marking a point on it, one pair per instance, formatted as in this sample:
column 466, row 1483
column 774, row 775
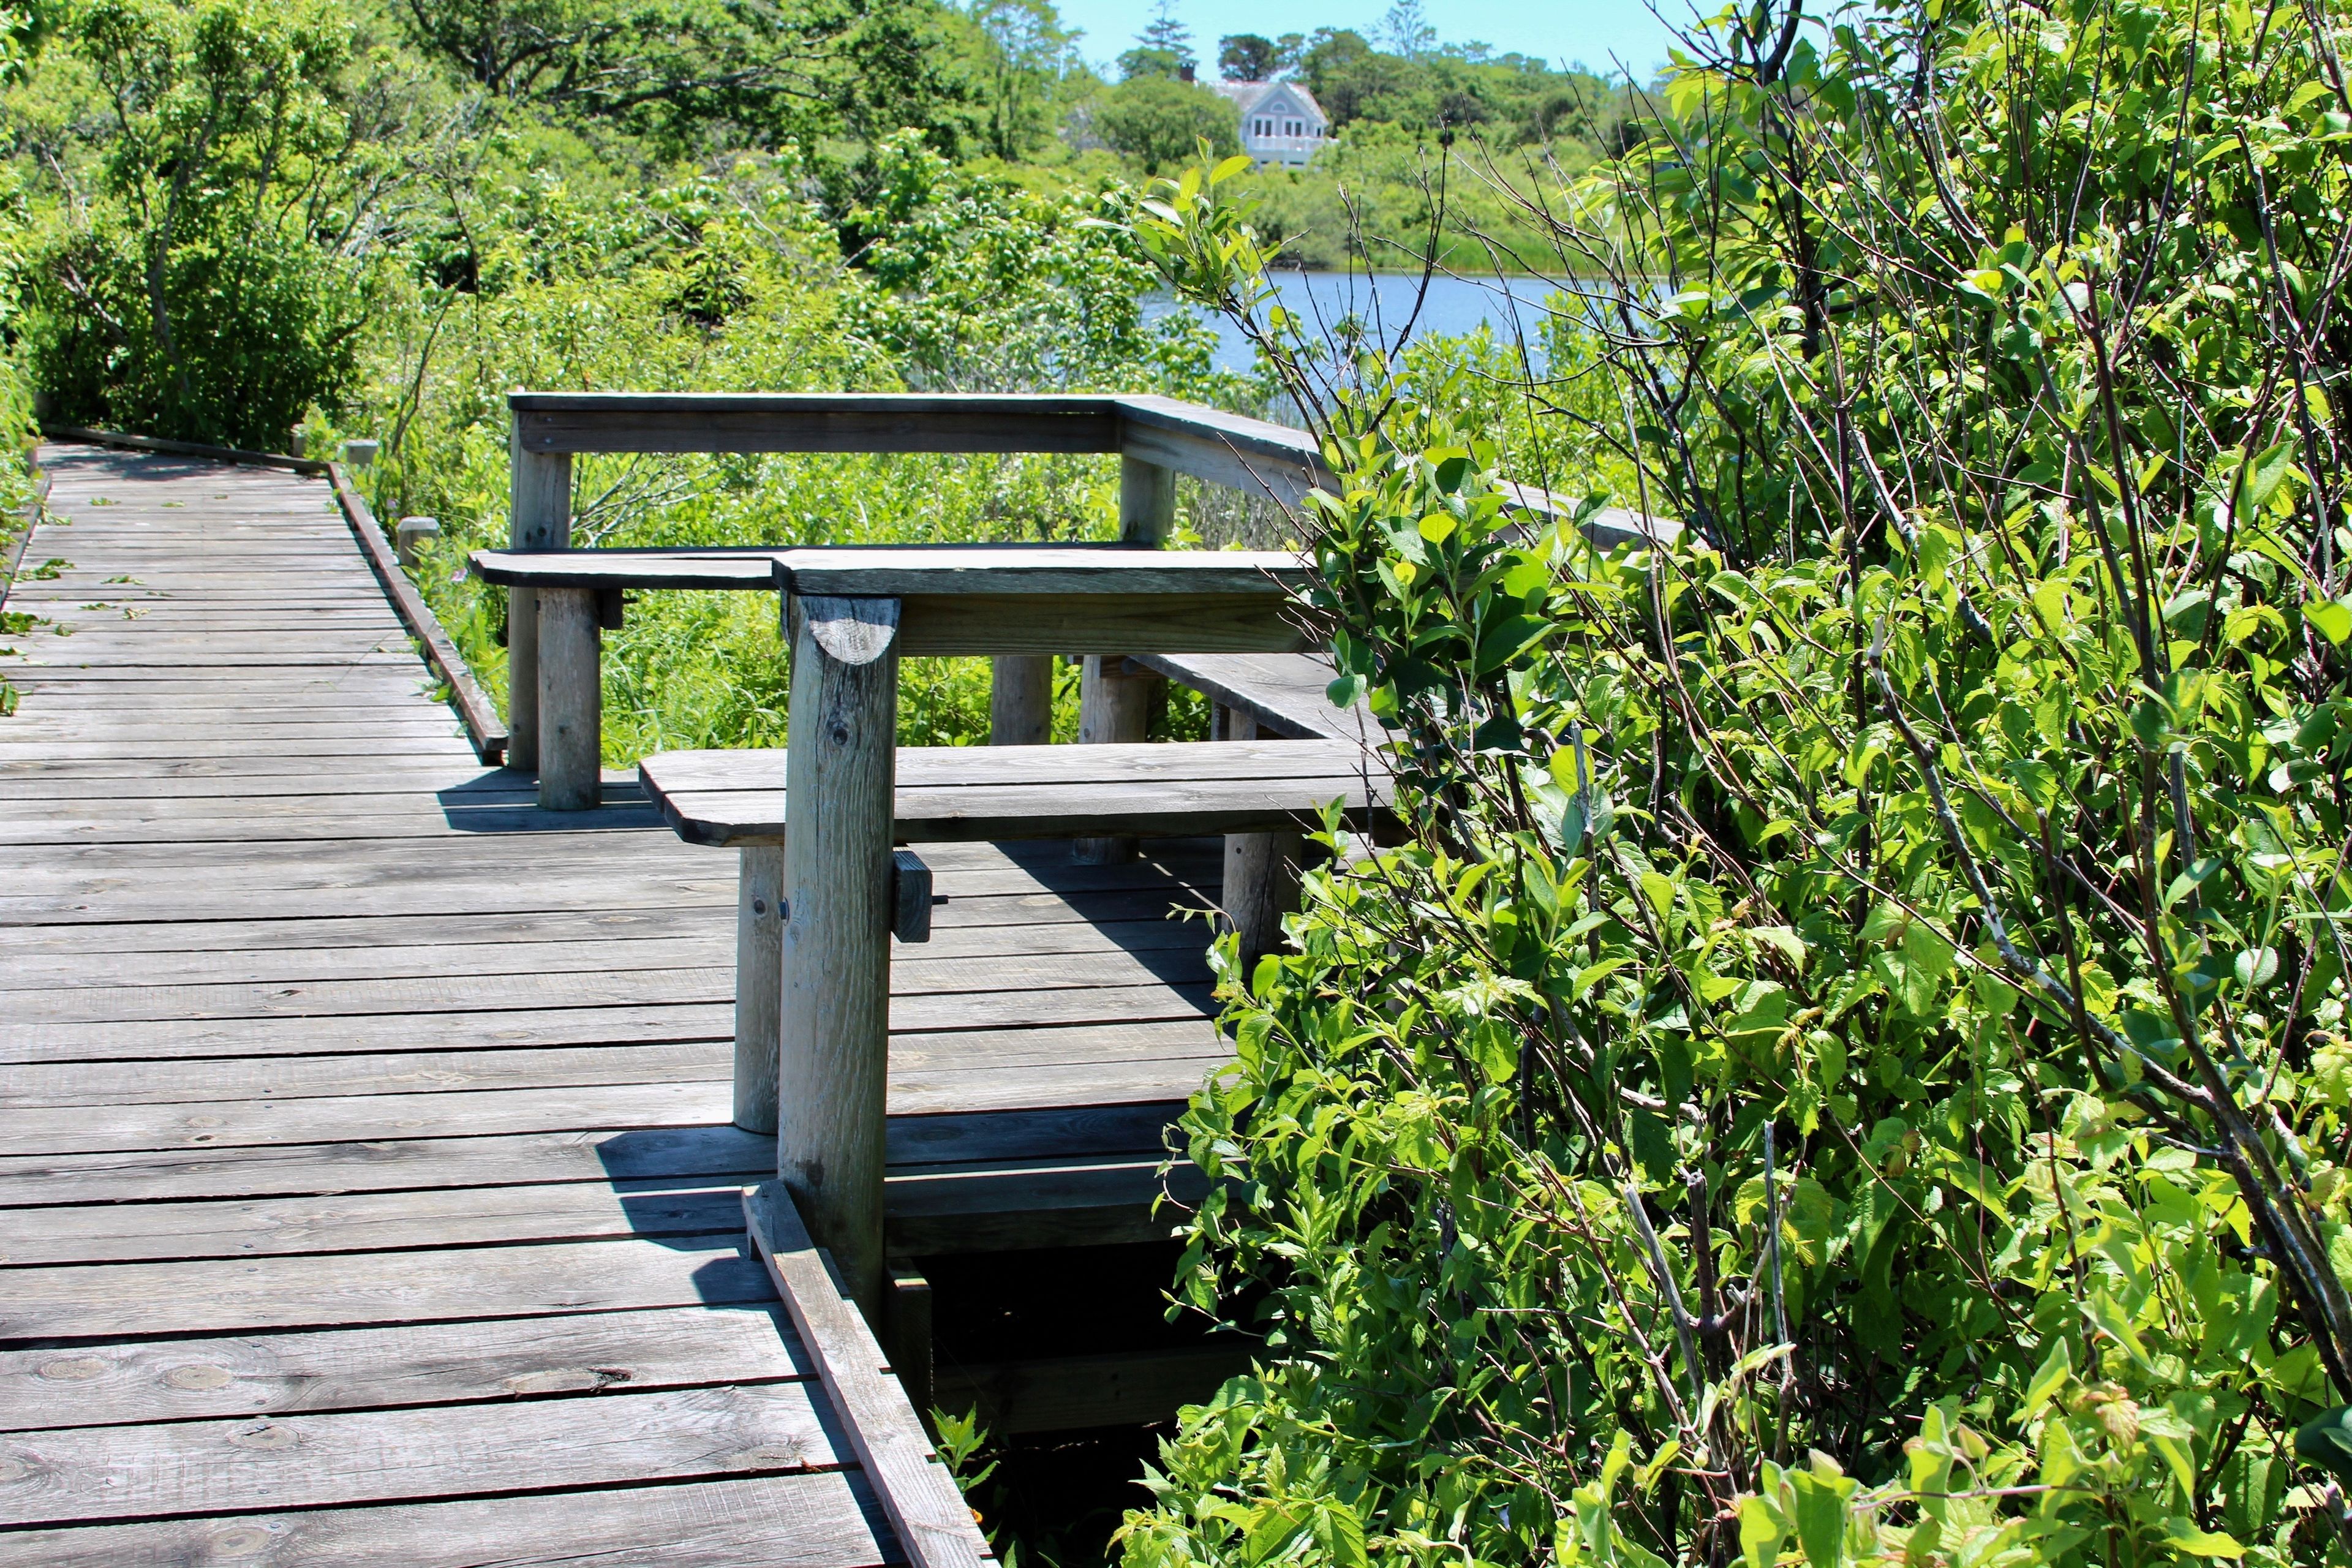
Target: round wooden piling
column 833, row 1045
column 538, row 518
column 758, row 984
column 570, row 700
column 1114, row 706
column 1261, row 881
column 1020, row 700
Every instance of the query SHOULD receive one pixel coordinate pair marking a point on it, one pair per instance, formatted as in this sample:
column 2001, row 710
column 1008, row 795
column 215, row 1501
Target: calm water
column 1385, row 301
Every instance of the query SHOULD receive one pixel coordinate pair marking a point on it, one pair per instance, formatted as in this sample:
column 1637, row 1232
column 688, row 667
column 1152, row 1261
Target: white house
column 1281, row 122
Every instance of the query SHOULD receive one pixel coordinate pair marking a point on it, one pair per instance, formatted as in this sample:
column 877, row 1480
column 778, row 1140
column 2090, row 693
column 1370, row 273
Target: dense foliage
column 1851, row 1062
column 1852, row 1066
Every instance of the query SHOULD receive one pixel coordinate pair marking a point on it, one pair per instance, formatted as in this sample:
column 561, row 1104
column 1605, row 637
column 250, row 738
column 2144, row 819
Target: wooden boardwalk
column 366, row 1190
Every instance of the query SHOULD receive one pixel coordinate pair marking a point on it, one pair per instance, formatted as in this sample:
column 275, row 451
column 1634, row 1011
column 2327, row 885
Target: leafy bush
column 1852, row 1065
column 1158, row 121
column 740, row 280
column 196, row 299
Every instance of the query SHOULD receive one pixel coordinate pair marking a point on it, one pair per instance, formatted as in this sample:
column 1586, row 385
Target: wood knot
column 245, row 1541
column 74, row 1369
column 263, row 1437
column 197, row 1377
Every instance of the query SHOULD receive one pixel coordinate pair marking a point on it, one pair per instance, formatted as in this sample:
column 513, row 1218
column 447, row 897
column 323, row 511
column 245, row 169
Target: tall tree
column 1408, row 30
column 1246, row 56
column 1164, row 47
column 1029, row 52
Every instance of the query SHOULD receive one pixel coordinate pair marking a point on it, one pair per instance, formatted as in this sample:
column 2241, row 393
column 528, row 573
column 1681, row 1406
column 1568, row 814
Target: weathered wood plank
column 488, row 730
column 958, row 1029
column 998, row 894
column 644, row 1158
column 83, row 1474
column 126, row 1382
column 1283, row 693
column 331, row 1290
column 822, row 1520
column 361, row 1222
column 991, row 793
column 933, row 1523
column 813, row 422
column 912, row 976
column 707, row 949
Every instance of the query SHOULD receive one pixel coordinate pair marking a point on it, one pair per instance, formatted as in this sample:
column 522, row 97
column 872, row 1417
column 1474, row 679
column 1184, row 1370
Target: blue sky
column 1560, row 31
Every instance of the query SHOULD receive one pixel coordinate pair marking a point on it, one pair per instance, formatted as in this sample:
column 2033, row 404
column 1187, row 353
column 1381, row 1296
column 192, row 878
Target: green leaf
column 2331, row 618
column 2056, row 1368
column 1822, row 1504
column 1592, row 975
column 1340, row 1535
column 2202, row 1542
column 2325, row 1441
column 2263, row 477
column 1761, row 1532
column 1927, row 958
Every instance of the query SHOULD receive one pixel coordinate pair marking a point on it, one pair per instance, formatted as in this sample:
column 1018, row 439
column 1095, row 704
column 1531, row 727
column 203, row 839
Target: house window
column 1293, row 129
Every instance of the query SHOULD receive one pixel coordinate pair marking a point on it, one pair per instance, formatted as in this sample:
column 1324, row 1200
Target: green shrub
column 1850, row 1067
column 202, row 296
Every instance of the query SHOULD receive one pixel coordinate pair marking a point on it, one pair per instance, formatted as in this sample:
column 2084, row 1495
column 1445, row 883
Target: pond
column 1385, row 299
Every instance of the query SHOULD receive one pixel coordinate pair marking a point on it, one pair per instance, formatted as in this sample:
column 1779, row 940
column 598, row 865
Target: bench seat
column 1283, row 694
column 995, row 793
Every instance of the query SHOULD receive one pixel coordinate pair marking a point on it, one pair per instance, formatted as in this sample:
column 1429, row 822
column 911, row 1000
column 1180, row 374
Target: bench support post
column 1261, row 883
column 539, row 517
column 758, row 984
column 1020, row 700
column 833, row 1060
column 1112, row 705
column 570, row 700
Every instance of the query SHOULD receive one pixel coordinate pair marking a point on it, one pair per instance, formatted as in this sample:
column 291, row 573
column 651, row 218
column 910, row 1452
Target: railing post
column 539, row 517
column 1020, row 700
column 758, row 984
column 1261, row 881
column 570, row 700
column 1114, row 706
column 833, row 1060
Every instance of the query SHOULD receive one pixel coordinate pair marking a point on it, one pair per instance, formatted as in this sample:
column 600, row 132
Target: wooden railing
column 1156, row 438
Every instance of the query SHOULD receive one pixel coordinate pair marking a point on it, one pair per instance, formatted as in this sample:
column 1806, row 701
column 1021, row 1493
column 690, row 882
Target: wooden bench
column 737, row 799
column 1017, row 603
column 946, row 794
column 1282, row 695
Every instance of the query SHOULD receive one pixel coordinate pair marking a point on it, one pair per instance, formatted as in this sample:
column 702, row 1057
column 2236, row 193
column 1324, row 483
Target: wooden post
column 1261, row 883
column 570, row 700
column 1114, row 706
column 909, row 1341
column 538, row 518
column 758, row 984
column 834, row 1051
column 1020, row 700
column 1147, row 502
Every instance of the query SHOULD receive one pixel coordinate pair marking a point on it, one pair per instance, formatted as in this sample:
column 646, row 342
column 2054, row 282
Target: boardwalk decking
column 366, row 1190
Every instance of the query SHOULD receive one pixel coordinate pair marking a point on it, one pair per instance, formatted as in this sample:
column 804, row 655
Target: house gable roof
column 1274, row 98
